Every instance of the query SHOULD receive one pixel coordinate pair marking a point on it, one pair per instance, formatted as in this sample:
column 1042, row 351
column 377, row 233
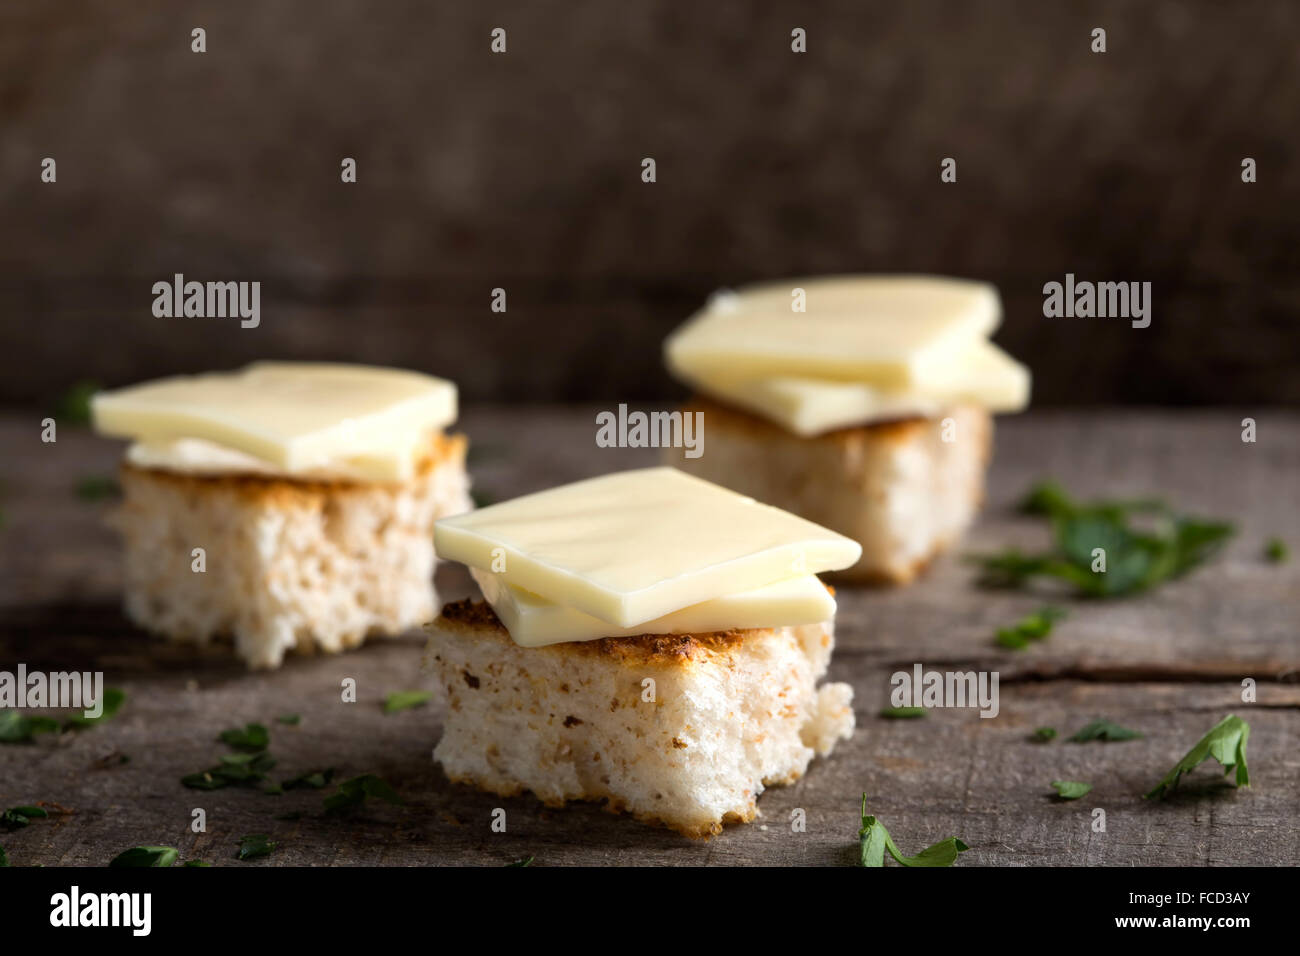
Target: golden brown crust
column 644, row 649
column 898, row 431
column 443, row 449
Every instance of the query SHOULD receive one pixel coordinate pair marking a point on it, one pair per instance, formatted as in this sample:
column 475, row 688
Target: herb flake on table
column 289, row 720
column 254, row 845
column 1103, row 730
column 1032, row 627
column 73, row 406
column 19, row 728
column 525, row 861
column 352, row 793
column 311, row 780
column 1226, row 743
column 902, row 713
column 1142, row 542
column 97, row 488
column 1070, row 789
column 250, row 738
column 406, row 699
column 15, row 818
column 142, row 856
column 113, row 700
column 233, row 770
column 1276, row 551
column 1043, row 734
column 875, row 840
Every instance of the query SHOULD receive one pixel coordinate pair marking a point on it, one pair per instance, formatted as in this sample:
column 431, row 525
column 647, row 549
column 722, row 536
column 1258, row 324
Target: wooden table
column 1169, row 664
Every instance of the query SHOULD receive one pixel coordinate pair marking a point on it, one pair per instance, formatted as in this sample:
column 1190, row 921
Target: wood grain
column 1169, row 664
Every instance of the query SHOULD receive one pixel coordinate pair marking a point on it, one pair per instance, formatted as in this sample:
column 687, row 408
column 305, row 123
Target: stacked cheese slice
column 860, row 350
column 653, row 551
column 294, row 420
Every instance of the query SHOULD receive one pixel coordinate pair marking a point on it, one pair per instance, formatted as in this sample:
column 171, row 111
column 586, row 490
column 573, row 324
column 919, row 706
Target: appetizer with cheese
column 861, row 403
column 648, row 639
column 288, row 506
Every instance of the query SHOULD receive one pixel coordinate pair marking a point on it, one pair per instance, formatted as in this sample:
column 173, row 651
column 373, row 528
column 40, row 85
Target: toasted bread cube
column 897, row 488
column 679, row 730
column 287, row 565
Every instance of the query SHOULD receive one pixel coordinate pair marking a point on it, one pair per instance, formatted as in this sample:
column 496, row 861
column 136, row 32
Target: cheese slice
column 299, row 418
column 633, row 546
column 985, row 376
column 893, row 332
column 534, row 621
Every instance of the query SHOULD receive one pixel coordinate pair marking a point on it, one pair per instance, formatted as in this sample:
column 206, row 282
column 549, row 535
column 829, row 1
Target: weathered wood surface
column 1169, row 664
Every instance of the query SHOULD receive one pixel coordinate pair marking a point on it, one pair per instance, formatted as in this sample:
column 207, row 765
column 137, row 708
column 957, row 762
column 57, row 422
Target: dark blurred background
column 523, row 171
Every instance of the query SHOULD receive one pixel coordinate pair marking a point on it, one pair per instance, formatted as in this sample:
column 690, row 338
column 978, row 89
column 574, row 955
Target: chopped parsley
column 254, row 845
column 405, row 699
column 97, row 488
column 1139, row 554
column 73, row 406
column 1103, row 730
column 234, row 770
column 312, row 780
column 1226, row 743
column 1070, row 789
column 902, row 713
column 1276, row 551
column 291, row 720
column 15, row 818
column 1043, row 734
column 875, row 840
column 111, row 704
column 250, row 738
column 139, row 856
column 19, row 728
column 352, row 793
column 1033, row 627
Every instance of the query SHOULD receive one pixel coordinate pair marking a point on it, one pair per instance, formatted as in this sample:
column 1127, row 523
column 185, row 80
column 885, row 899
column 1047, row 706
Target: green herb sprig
column 875, row 840
column 1226, row 743
column 1139, row 555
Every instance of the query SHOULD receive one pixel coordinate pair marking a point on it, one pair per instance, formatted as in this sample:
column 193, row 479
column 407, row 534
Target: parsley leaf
column 1103, row 730
column 97, row 488
column 73, row 406
column 1138, row 554
column 1033, row 627
column 234, row 770
column 290, row 720
column 875, row 840
column 15, row 818
column 1043, row 734
column 902, row 713
column 195, row 863
column 254, row 845
column 352, row 793
column 250, row 737
column 405, row 699
column 1276, row 551
column 19, row 728
column 313, row 780
column 1226, row 743
column 111, row 704
column 1070, row 789
column 139, row 856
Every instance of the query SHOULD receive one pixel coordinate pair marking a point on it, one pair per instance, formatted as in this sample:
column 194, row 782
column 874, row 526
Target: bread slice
column 897, row 488
column 288, row 565
column 680, row 730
